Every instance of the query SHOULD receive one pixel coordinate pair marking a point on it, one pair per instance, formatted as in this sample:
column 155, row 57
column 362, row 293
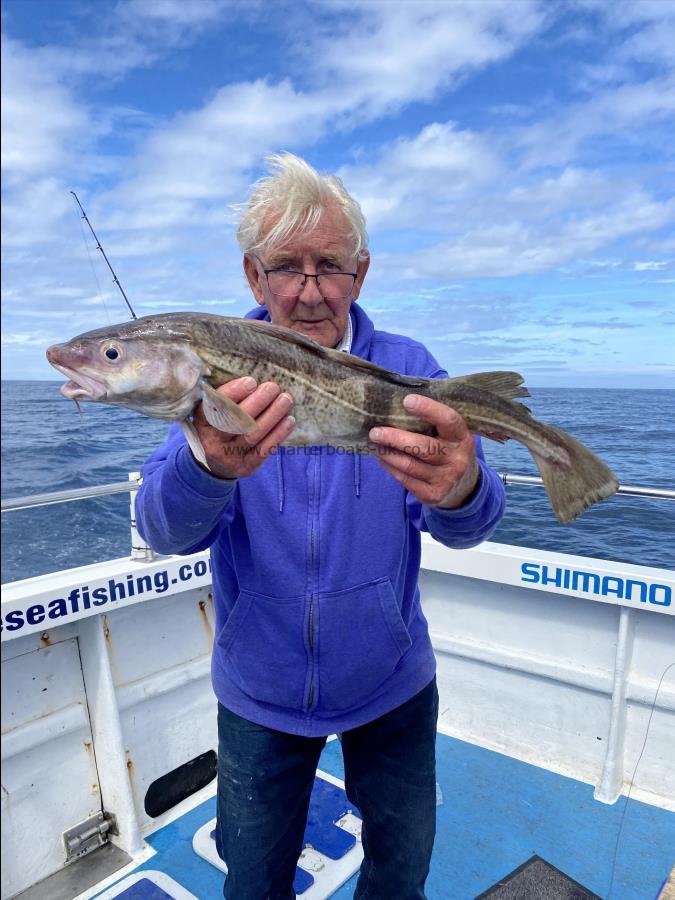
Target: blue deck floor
column 496, row 812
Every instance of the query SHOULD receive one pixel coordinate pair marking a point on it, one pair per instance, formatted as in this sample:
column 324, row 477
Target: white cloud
column 25, row 339
column 556, row 140
column 390, row 54
column 654, row 40
column 175, row 15
column 189, row 168
column 652, row 265
column 133, row 34
column 519, row 247
column 430, row 173
column 461, row 193
column 571, row 188
column 198, row 160
column 499, row 220
column 41, row 121
column 394, row 53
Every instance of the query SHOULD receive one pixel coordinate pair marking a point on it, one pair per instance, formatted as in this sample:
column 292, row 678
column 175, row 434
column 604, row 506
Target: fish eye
column 111, row 352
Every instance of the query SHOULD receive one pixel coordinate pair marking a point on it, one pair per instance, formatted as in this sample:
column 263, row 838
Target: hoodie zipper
column 312, row 581
column 310, row 635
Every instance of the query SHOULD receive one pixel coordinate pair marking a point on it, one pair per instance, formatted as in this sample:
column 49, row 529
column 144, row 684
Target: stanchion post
column 139, row 549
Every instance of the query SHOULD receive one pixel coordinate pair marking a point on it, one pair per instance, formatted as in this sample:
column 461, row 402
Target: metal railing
column 103, row 490
column 629, row 490
column 139, row 549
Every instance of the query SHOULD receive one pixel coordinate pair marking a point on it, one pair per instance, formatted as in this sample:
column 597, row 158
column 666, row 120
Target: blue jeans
column 265, row 780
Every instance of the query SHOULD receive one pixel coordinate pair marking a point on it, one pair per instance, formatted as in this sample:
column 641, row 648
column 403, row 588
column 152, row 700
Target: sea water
column 47, row 445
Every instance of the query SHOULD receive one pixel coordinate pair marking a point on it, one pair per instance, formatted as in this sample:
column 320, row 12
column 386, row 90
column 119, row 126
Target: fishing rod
column 99, row 247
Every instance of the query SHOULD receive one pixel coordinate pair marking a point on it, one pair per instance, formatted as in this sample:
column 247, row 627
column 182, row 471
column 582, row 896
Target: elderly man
column 315, row 565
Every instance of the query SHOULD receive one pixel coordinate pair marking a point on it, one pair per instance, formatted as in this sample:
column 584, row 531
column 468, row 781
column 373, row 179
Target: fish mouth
column 81, row 387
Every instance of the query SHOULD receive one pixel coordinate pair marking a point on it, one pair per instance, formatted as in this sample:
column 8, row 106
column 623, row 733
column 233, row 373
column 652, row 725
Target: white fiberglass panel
column 151, row 637
column 548, row 678
column 49, row 775
column 160, row 658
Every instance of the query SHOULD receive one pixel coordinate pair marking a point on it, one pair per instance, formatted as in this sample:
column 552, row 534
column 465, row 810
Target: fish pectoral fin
column 194, row 443
column 223, row 413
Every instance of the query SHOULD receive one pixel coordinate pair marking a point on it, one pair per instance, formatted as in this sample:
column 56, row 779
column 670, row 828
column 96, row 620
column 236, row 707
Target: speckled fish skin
column 337, row 397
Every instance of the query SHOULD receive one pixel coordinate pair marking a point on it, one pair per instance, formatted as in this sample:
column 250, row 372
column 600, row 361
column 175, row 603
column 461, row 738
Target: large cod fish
column 164, row 365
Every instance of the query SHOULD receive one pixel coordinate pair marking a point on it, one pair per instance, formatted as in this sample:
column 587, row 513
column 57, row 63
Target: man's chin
column 322, row 332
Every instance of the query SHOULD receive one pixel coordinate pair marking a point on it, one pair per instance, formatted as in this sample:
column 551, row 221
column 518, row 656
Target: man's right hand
column 237, row 455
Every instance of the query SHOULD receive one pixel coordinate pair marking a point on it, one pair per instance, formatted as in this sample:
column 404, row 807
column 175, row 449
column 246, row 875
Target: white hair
column 294, row 196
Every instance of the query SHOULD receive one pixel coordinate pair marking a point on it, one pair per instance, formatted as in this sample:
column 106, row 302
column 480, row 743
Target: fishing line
column 93, row 269
column 630, row 786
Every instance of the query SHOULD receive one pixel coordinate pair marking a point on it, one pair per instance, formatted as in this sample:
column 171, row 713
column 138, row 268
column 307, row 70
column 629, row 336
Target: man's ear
column 361, row 269
column 254, row 277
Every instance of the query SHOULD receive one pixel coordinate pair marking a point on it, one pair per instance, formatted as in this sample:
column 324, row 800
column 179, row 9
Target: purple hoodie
column 315, row 562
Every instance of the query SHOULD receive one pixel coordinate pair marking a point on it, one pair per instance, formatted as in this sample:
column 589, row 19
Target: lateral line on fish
column 307, row 383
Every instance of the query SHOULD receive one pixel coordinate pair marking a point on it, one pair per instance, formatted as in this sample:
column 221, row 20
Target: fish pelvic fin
column 573, row 488
column 508, row 385
column 223, row 413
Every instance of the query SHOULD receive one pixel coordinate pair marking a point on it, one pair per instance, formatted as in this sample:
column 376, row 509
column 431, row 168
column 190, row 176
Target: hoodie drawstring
column 281, row 485
column 281, row 490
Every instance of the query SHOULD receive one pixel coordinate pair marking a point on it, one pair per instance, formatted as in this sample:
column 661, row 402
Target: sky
column 515, row 161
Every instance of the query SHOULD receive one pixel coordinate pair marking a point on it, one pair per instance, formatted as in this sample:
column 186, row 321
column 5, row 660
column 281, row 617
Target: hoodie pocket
column 362, row 638
column 263, row 649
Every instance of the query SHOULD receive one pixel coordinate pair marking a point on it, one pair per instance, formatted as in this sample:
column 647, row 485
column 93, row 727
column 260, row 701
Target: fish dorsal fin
column 358, row 365
column 282, row 333
column 223, row 413
column 365, row 367
column 508, row 385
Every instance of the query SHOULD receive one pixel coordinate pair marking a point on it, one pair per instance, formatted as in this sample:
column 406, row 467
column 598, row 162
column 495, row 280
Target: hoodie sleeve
column 180, row 508
column 474, row 522
column 477, row 519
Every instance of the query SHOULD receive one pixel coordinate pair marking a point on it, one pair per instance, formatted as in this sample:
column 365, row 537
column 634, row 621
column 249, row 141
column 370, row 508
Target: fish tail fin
column 573, row 476
column 573, row 487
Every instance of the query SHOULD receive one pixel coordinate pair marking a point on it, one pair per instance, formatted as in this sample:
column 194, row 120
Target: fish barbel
column 164, row 365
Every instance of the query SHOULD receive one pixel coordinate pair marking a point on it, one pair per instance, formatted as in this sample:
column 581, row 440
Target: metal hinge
column 88, row 835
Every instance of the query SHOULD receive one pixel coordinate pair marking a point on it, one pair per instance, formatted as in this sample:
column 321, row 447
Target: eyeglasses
column 290, row 282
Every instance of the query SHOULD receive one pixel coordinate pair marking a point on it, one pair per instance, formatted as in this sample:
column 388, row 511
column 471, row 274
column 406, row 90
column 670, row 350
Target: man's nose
column 310, row 292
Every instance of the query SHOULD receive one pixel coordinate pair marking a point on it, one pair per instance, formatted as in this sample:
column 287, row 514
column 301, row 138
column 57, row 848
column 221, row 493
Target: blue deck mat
column 328, row 804
column 176, row 858
column 301, row 880
column 144, row 890
column 497, row 812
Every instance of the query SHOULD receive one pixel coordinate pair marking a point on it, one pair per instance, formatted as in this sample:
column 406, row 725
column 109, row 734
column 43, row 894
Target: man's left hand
column 440, row 471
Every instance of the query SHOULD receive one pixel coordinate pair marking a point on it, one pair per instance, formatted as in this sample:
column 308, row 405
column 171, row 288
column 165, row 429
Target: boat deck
column 108, row 706
column 494, row 814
